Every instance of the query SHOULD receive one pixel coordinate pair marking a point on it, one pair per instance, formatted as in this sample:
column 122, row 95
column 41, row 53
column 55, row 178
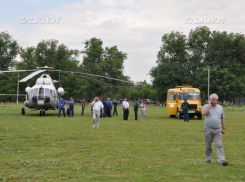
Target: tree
column 8, row 51
column 172, row 58
column 101, row 61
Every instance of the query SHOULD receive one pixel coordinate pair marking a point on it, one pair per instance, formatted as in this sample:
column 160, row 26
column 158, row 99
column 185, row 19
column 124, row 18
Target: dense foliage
column 96, row 60
column 183, row 60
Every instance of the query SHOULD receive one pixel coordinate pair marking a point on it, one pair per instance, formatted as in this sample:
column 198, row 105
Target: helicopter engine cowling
column 61, row 91
column 28, row 90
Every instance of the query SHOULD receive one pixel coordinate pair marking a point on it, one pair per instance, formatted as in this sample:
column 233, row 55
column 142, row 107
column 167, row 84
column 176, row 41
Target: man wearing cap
column 185, row 105
column 136, row 106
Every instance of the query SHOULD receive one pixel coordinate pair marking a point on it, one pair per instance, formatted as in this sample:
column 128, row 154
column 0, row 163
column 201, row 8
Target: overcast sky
column 135, row 26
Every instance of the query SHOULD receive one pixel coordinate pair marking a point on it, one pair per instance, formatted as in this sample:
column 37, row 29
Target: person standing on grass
column 185, row 106
column 143, row 108
column 114, row 107
column 83, row 106
column 92, row 100
column 62, row 107
column 123, row 102
column 214, row 119
column 97, row 105
column 136, row 107
column 105, row 107
column 71, row 107
column 125, row 109
column 109, row 107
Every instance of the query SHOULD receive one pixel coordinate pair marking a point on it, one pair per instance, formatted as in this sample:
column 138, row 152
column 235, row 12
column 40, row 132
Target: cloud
column 135, row 26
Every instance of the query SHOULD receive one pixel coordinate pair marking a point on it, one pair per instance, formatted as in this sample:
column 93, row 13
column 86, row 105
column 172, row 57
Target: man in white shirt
column 125, row 109
column 97, row 105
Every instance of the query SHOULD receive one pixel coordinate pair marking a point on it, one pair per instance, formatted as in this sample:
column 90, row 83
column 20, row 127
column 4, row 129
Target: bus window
column 189, row 96
column 171, row 97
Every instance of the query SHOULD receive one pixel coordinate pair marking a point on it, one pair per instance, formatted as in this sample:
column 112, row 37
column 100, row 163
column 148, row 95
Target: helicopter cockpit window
column 47, row 92
column 34, row 92
column 41, row 91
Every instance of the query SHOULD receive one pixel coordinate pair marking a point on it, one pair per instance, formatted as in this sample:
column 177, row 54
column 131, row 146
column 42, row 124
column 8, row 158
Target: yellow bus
column 176, row 96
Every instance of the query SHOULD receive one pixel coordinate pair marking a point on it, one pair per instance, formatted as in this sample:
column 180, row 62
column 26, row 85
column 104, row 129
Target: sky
column 134, row 26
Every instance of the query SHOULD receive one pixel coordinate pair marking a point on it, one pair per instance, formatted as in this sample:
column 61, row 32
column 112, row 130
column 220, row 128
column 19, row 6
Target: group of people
column 214, row 119
column 142, row 107
column 62, row 107
column 100, row 108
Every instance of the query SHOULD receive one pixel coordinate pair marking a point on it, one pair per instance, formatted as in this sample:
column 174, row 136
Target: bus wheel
column 179, row 115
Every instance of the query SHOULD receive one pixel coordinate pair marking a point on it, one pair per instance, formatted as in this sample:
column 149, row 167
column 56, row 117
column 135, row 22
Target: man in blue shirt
column 105, row 107
column 185, row 106
column 114, row 107
column 109, row 107
column 71, row 107
column 62, row 107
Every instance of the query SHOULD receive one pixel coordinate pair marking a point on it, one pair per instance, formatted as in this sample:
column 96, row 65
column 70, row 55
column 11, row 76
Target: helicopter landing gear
column 42, row 113
column 23, row 111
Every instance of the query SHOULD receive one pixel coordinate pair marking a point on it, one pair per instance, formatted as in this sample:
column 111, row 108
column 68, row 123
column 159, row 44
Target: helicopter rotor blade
column 13, row 71
column 100, row 76
column 31, row 75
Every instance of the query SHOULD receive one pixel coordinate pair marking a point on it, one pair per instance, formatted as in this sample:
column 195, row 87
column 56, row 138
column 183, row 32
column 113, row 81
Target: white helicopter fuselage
column 43, row 95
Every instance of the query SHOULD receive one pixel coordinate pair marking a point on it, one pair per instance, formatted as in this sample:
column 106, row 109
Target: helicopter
column 43, row 95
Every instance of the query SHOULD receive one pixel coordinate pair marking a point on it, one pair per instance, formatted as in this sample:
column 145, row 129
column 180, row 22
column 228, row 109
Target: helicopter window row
column 34, row 92
column 43, row 91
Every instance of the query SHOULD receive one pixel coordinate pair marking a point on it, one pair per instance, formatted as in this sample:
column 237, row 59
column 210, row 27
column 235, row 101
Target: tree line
column 96, row 59
column 181, row 60
column 184, row 60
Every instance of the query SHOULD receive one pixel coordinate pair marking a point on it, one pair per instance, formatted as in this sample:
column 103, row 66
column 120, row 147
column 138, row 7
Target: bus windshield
column 189, row 96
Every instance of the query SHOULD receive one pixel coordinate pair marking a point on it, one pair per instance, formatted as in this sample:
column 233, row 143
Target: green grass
column 34, row 148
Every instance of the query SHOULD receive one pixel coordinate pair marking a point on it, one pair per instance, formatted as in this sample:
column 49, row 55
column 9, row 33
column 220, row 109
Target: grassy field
column 34, row 148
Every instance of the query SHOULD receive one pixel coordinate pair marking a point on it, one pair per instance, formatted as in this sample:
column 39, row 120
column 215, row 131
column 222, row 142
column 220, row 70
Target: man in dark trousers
column 185, row 106
column 83, row 106
column 62, row 107
column 115, row 107
column 136, row 106
column 109, row 107
column 126, row 109
column 105, row 107
column 71, row 107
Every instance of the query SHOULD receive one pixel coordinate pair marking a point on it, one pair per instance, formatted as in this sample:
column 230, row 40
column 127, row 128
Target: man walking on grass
column 214, row 119
column 97, row 105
